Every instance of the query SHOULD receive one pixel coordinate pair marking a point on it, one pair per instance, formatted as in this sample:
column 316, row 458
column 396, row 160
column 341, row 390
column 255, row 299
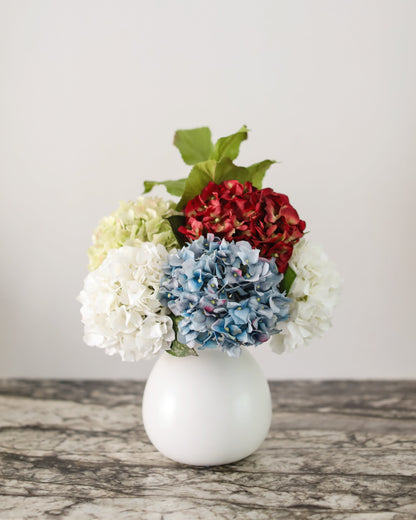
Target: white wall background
column 91, row 92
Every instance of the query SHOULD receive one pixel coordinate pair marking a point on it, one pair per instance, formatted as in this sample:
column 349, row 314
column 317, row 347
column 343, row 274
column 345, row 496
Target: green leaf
column 180, row 350
column 175, row 222
column 226, row 170
column 201, row 174
column 173, row 187
column 288, row 279
column 229, row 146
column 257, row 172
column 195, row 145
column 223, row 170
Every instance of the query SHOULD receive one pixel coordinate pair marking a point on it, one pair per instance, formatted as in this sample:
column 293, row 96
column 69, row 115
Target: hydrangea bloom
column 313, row 295
column 227, row 295
column 131, row 224
column 236, row 211
column 120, row 308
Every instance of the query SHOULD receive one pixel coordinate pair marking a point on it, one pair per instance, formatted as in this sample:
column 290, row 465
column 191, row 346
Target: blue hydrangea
column 227, row 295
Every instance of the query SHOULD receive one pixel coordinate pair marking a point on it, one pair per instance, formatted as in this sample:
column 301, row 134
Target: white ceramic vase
column 207, row 410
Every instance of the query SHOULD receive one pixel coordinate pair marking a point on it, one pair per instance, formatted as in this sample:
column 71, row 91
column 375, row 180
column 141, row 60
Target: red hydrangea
column 236, row 211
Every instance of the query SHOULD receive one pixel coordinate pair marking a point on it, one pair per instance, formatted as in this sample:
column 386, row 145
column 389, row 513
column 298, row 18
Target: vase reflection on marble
column 207, row 410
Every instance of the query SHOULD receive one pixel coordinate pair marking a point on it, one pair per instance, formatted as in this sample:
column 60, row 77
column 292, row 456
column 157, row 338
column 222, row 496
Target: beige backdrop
column 91, row 93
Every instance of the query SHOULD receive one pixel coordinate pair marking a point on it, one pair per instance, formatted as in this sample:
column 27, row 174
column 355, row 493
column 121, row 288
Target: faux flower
column 226, row 294
column 120, row 309
column 236, row 211
column 313, row 296
column 133, row 223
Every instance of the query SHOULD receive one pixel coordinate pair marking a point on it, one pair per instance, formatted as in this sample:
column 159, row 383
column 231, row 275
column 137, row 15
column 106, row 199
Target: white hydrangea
column 120, row 309
column 314, row 294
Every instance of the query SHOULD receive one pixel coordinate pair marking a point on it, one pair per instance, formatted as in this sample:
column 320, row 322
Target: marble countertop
column 336, row 450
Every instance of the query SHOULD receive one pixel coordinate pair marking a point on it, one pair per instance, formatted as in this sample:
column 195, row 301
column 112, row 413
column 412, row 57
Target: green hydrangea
column 133, row 223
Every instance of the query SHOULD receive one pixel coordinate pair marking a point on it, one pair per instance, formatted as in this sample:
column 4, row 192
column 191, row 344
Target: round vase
column 206, row 410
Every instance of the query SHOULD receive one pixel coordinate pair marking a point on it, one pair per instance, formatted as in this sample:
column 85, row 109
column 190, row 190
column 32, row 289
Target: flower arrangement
column 228, row 266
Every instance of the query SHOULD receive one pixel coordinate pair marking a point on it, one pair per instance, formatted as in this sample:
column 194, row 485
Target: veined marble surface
column 336, row 450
